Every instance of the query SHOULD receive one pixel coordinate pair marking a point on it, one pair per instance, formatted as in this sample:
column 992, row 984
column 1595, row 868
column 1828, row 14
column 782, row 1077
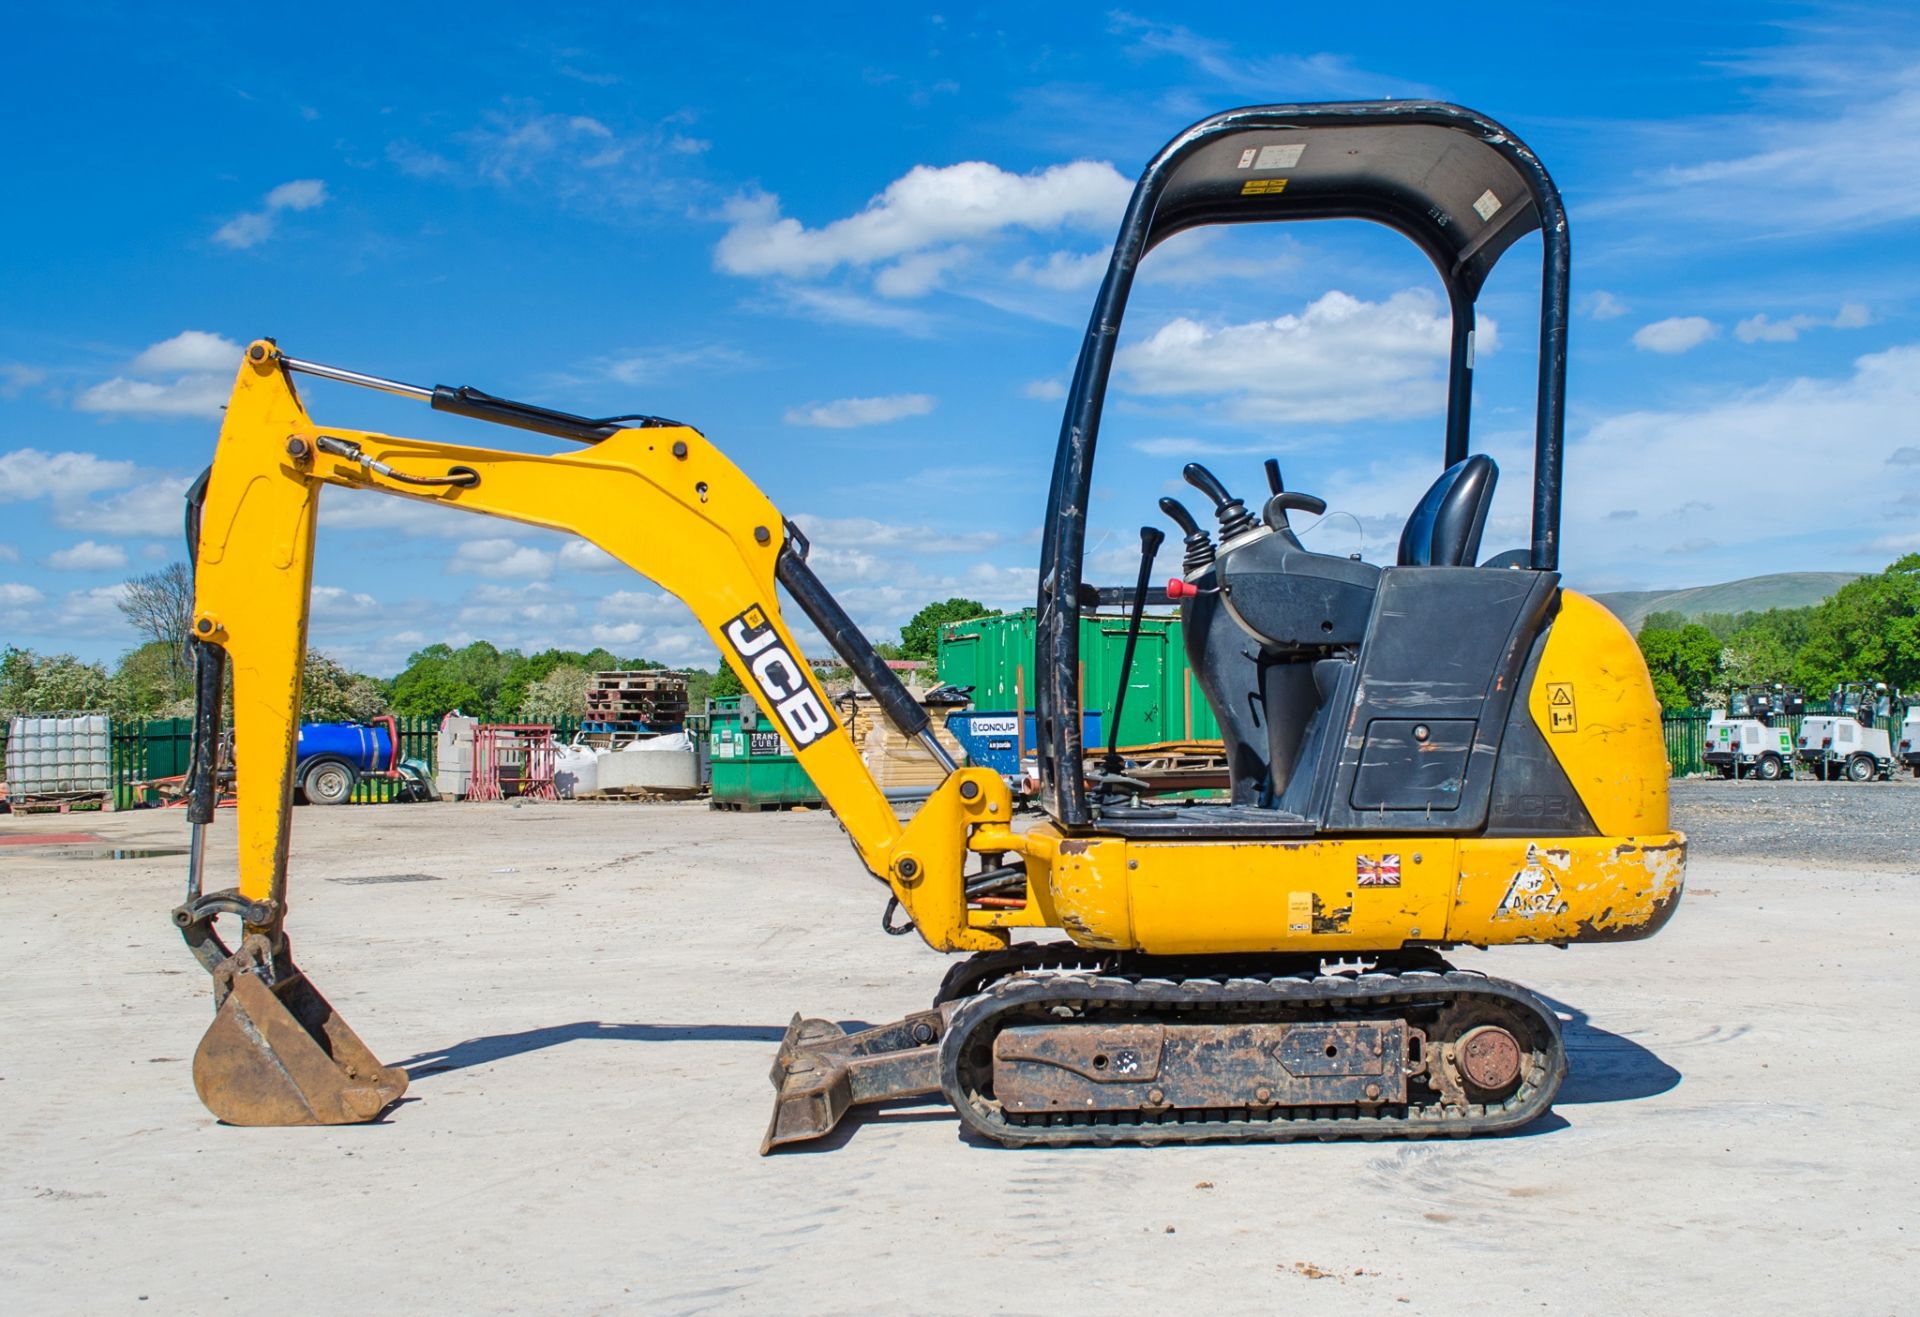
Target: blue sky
column 857, row 246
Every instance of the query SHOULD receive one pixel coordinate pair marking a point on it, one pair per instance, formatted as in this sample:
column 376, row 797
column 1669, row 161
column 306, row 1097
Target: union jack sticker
column 1372, row 871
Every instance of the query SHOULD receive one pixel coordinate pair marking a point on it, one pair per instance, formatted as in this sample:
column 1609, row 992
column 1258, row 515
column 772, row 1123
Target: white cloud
column 1675, row 334
column 532, row 605
column 87, row 556
column 253, row 227
column 191, row 395
column 1044, row 390
column 1065, row 271
column 1341, row 359
column 579, row 556
column 918, row 274
column 94, row 612
column 658, row 365
column 15, row 595
column 837, row 306
column 1840, row 148
column 202, row 366
column 1318, row 75
column 28, row 473
column 16, row 378
column 1878, row 404
column 846, row 413
column 927, row 207
column 500, row 558
column 1602, row 305
column 1763, row 328
column 191, row 350
column 843, row 533
column 332, row 603
column 8, row 553
column 156, row 506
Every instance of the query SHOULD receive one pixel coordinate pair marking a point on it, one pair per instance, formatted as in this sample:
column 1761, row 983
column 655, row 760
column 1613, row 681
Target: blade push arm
column 661, row 499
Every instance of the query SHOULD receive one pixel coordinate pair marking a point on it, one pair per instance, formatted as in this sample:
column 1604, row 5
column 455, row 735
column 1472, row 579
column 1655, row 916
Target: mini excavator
column 1435, row 752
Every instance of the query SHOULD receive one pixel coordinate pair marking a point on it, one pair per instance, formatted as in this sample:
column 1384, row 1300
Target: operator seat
column 1446, row 525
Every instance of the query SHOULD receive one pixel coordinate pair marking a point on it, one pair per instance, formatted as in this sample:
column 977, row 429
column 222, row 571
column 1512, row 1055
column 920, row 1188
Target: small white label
column 1246, row 158
column 1488, row 206
column 1284, row 156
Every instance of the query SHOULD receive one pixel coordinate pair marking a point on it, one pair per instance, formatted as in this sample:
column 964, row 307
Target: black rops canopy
column 1456, row 183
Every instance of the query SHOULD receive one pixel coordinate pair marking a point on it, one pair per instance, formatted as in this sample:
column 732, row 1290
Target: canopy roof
column 1457, row 184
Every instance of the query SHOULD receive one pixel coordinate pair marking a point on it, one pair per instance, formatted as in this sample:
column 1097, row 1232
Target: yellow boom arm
column 661, row 499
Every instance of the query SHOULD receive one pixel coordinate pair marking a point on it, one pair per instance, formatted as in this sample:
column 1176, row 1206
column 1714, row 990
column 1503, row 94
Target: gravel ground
column 588, row 996
column 1803, row 822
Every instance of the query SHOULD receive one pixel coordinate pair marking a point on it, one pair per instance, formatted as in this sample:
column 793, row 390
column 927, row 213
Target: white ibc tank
column 59, row 755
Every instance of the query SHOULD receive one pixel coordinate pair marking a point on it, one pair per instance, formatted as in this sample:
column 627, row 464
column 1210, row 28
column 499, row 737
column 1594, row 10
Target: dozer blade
column 821, row 1070
column 282, row 1056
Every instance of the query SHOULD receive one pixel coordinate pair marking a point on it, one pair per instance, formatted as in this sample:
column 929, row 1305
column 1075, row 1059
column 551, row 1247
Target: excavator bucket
column 281, row 1055
column 821, row 1070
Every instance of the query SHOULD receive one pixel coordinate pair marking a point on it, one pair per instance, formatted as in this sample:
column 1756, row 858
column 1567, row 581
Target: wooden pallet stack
column 658, row 699
column 896, row 760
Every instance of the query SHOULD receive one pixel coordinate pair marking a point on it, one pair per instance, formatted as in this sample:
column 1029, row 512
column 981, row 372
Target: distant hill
column 1755, row 594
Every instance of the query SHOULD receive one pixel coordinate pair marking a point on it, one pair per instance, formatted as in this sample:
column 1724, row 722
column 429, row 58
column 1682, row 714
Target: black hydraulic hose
column 203, row 762
column 848, row 641
column 1151, row 537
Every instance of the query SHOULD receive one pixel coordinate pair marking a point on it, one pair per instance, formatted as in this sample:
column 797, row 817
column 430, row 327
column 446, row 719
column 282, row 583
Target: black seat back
column 1446, row 525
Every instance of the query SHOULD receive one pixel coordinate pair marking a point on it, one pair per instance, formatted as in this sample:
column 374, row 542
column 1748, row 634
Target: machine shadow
column 1603, row 1066
column 496, row 1047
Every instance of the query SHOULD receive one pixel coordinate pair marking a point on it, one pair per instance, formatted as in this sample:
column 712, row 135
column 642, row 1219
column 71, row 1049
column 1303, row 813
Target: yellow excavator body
column 1451, row 753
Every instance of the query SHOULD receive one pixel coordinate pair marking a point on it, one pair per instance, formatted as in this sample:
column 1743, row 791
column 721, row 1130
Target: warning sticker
column 1300, row 912
column 1560, row 707
column 1263, row 187
column 1487, row 206
column 1284, row 156
column 1376, row 871
column 1532, row 892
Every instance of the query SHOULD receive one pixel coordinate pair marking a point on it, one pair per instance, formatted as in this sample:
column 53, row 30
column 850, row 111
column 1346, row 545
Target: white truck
column 1910, row 739
column 1847, row 742
column 1747, row 744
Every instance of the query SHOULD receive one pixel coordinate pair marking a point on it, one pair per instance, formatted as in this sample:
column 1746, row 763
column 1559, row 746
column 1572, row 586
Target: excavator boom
column 659, row 498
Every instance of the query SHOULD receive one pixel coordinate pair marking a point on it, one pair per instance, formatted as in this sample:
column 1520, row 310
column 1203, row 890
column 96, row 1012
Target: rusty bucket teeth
column 282, row 1056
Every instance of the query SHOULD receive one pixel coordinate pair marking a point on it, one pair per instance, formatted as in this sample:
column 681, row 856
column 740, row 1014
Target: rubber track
column 1113, row 997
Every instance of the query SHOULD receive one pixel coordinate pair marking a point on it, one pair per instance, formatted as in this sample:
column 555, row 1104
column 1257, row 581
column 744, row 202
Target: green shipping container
column 751, row 765
column 994, row 655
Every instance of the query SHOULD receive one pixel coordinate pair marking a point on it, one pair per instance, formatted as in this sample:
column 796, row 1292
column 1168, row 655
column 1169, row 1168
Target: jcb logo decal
column 781, row 682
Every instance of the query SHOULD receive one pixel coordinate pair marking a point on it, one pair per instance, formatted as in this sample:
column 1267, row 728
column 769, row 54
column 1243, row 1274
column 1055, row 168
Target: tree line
column 1869, row 630
column 154, row 679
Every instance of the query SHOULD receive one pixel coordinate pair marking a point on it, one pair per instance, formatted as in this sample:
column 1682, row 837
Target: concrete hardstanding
column 588, row 1012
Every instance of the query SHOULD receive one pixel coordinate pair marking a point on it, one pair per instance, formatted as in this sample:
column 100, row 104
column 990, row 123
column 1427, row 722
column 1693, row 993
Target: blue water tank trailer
column 330, row 759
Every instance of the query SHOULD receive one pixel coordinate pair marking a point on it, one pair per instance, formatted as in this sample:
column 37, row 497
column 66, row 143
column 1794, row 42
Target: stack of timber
column 895, row 759
column 655, row 698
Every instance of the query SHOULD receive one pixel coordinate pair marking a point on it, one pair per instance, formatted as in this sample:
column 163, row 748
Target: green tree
column 1867, row 631
column 160, row 607
column 1684, row 664
column 725, row 683
column 146, row 681
column 561, row 693
column 329, row 693
column 920, row 637
column 432, row 694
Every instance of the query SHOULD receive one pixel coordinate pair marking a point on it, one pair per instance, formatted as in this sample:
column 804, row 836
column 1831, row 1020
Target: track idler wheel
column 278, row 1054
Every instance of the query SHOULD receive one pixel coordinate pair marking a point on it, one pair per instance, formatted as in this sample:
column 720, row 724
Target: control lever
column 1199, row 546
column 1151, row 538
column 1232, row 512
column 1283, row 502
column 1274, row 484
